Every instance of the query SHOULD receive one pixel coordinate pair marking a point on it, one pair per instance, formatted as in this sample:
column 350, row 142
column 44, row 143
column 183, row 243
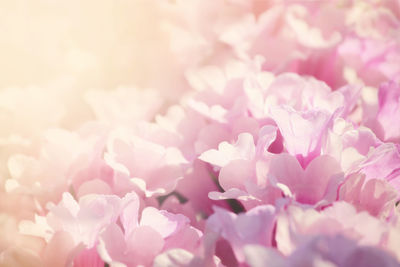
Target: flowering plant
column 270, row 137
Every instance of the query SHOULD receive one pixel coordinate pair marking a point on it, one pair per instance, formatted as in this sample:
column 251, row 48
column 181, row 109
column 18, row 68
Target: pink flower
column 243, row 168
column 316, row 185
column 389, row 111
column 383, row 163
column 137, row 163
column 373, row 195
column 303, row 132
column 138, row 242
column 295, row 226
column 253, row 227
column 76, row 226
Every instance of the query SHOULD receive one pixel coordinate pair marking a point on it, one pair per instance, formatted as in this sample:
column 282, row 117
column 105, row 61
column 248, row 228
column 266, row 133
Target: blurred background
column 88, row 43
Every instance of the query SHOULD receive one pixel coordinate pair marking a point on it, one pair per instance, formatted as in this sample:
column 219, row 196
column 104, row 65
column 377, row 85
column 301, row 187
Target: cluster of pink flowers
column 276, row 143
